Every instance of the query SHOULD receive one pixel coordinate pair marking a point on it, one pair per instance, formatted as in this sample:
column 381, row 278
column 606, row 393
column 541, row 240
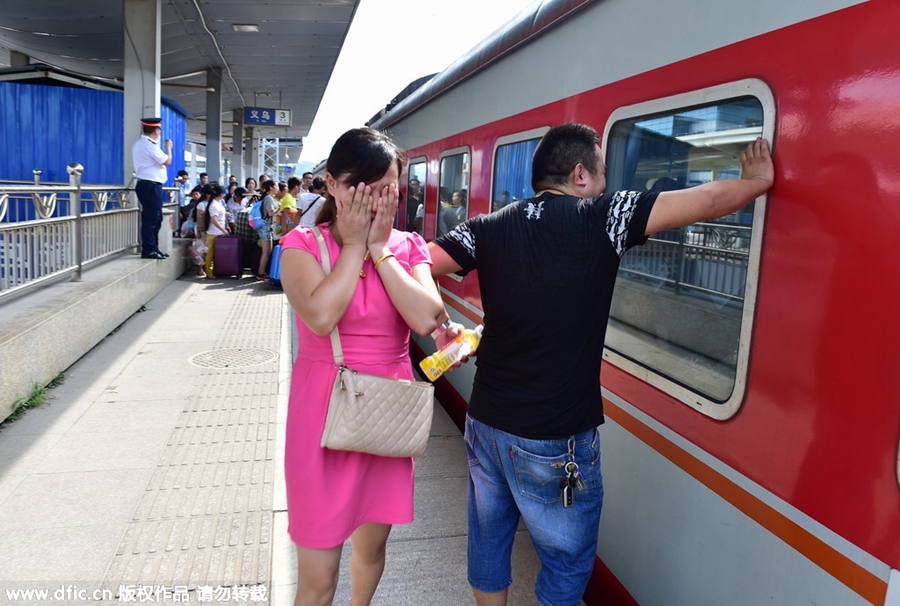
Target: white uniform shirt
column 148, row 160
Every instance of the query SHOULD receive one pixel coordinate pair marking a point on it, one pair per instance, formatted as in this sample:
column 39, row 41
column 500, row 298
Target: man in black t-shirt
column 547, row 267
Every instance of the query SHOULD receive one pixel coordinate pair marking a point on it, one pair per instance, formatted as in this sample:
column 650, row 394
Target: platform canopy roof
column 277, row 54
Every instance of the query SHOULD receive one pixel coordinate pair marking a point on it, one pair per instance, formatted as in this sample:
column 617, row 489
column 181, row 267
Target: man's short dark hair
column 560, row 151
column 294, row 182
column 318, row 183
column 203, row 175
column 183, row 173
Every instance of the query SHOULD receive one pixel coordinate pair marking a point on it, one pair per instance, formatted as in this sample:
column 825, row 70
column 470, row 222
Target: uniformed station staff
column 150, row 164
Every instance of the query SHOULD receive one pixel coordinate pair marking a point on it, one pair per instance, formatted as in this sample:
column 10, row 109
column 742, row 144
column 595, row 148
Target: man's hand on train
column 756, row 162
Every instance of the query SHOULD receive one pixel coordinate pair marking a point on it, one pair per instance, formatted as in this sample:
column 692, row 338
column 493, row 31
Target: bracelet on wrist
column 437, row 331
column 383, row 258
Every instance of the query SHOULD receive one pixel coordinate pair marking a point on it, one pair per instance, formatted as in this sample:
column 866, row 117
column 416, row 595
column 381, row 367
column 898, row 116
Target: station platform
column 154, row 472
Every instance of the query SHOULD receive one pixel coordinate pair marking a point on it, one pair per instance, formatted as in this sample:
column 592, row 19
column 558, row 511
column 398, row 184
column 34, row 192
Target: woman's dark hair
column 560, row 151
column 247, row 182
column 269, row 185
column 360, row 155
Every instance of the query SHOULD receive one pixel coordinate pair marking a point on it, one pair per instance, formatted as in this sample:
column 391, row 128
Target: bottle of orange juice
column 463, row 345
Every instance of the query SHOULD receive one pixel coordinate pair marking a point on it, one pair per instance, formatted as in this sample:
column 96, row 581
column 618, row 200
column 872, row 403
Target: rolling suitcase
column 228, row 256
column 275, row 267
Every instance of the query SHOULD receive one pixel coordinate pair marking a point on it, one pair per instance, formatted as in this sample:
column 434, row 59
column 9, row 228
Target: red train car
column 751, row 364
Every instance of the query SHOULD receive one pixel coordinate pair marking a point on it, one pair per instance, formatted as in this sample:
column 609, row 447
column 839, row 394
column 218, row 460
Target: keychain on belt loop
column 574, row 475
column 573, row 478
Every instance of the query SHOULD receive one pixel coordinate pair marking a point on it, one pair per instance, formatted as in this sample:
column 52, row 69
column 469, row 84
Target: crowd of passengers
column 210, row 210
column 451, row 212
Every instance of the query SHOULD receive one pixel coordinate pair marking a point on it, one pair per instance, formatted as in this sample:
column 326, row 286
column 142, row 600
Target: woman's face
column 340, row 189
column 251, row 185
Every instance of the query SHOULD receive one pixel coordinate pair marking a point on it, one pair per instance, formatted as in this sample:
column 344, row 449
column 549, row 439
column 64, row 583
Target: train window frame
column 534, row 133
column 409, row 163
column 456, row 151
column 750, row 87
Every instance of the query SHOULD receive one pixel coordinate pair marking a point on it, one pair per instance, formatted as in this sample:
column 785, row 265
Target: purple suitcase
column 228, row 256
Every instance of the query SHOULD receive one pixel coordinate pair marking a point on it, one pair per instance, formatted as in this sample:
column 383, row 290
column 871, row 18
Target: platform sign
column 263, row 115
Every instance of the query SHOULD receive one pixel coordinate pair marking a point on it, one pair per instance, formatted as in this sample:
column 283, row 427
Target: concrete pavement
column 154, row 472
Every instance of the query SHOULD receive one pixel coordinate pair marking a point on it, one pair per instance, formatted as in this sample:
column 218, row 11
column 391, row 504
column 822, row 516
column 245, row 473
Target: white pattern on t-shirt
column 464, row 236
column 621, row 209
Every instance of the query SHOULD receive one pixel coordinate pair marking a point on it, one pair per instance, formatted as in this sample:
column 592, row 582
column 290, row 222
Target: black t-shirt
column 547, row 268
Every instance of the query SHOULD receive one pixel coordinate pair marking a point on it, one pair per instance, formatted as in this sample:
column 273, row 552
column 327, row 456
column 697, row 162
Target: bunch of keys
column 573, row 479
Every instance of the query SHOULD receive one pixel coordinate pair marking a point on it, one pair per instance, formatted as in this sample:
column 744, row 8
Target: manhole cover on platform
column 232, row 358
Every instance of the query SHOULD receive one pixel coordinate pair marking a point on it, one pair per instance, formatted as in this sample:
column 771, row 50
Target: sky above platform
column 390, row 44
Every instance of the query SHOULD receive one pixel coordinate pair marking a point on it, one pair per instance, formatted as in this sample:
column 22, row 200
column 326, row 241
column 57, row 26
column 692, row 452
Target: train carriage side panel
column 808, row 467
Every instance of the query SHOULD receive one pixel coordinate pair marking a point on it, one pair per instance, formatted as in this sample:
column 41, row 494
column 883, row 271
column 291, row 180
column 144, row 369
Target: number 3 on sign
column 283, row 117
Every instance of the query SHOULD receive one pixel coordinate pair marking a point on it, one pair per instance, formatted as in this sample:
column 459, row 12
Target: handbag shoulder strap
column 326, row 266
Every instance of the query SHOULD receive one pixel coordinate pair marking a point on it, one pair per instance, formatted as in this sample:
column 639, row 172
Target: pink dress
column 330, row 493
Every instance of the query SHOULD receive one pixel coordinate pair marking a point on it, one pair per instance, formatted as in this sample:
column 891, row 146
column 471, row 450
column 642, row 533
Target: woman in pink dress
column 380, row 287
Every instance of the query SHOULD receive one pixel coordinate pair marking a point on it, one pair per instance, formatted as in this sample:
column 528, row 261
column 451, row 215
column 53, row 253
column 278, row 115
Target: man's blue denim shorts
column 510, row 476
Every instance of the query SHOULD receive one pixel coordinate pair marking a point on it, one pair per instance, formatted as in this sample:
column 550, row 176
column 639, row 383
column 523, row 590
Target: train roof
column 520, row 30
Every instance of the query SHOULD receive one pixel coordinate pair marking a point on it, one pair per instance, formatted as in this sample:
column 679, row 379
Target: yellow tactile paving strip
column 205, row 520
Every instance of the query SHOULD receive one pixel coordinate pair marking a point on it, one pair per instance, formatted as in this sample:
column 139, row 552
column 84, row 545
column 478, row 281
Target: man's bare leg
column 483, row 598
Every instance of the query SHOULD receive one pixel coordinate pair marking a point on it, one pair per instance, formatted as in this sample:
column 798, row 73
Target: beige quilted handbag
column 368, row 413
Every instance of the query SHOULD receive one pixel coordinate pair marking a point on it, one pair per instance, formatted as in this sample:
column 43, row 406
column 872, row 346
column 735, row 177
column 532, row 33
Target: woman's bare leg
column 317, row 575
column 264, row 260
column 367, row 561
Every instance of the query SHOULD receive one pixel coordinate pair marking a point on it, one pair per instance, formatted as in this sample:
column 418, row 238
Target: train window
column 453, row 192
column 683, row 302
column 415, row 197
column 512, row 168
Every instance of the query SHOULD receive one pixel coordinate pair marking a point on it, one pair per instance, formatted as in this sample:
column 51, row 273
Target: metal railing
column 62, row 229
column 708, row 258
